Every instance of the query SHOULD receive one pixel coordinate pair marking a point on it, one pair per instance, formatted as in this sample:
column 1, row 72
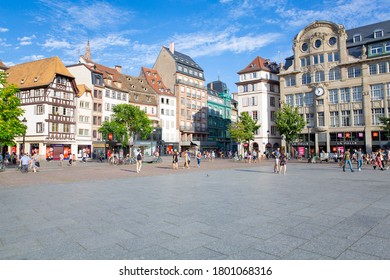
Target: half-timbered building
column 47, row 94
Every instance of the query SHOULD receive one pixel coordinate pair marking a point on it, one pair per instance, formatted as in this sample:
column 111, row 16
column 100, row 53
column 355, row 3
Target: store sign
column 346, row 143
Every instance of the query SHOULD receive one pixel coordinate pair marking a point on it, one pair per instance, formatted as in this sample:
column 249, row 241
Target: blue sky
column 222, row 36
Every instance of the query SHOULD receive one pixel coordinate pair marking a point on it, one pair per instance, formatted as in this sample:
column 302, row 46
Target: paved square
column 223, row 210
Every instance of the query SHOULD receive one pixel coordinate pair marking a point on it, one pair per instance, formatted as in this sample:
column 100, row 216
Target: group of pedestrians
column 377, row 160
column 280, row 166
column 27, row 162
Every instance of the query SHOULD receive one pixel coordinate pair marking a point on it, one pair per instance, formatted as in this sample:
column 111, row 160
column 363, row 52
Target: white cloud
column 26, row 40
column 32, row 57
column 93, row 15
column 2, row 29
column 52, row 44
column 4, row 43
column 204, row 44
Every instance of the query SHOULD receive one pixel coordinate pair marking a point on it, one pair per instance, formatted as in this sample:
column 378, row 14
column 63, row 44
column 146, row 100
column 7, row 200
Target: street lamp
column 308, row 141
column 24, row 121
column 268, row 140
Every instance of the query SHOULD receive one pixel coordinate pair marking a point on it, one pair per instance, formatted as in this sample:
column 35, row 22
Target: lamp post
column 268, row 141
column 308, row 141
column 24, row 121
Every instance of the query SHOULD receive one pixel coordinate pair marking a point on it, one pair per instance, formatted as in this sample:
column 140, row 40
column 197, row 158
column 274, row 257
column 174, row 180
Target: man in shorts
column 276, row 155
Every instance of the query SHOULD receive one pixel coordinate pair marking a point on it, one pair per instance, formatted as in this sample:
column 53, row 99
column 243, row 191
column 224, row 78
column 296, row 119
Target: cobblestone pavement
column 222, row 210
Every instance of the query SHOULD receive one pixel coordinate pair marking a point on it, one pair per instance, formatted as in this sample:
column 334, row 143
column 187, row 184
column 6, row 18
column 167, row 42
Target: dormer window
column 357, row 38
column 378, row 33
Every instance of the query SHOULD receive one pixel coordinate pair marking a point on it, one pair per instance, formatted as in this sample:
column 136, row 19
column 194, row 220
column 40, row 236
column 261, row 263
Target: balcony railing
column 180, row 81
column 60, row 119
column 61, row 136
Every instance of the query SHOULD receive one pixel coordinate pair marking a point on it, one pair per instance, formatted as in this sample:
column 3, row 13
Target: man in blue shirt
column 25, row 160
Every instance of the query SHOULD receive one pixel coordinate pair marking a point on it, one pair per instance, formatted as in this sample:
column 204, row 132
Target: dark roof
column 184, row 60
column 367, row 33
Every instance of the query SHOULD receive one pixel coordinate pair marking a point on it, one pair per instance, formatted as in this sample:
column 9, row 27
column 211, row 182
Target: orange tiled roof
column 2, row 65
column 257, row 64
column 154, row 80
column 83, row 89
column 37, row 73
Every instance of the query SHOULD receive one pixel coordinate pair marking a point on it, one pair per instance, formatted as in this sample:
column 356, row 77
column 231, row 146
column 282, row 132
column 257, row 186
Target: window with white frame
column 253, row 101
column 387, row 47
column 306, row 78
column 345, row 96
column 358, row 117
column 290, row 100
column 376, row 49
column 334, row 74
column 378, row 33
column 299, row 100
column 373, row 69
column 320, row 76
column 357, row 38
column 318, row 58
column 107, row 94
column 305, row 61
column 357, row 93
column 273, row 130
column 333, row 56
column 107, row 106
column 254, row 115
column 377, row 113
column 334, row 119
column 354, row 72
column 382, row 67
column 345, row 118
column 290, row 81
column 377, row 92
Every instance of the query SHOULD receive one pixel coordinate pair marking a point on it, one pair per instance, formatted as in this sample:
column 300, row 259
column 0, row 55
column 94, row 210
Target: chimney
column 118, row 68
column 172, row 47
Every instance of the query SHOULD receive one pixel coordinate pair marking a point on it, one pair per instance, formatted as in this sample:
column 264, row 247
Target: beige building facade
column 340, row 81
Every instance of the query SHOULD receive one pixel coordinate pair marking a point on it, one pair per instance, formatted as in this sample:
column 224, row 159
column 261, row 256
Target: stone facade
column 340, row 81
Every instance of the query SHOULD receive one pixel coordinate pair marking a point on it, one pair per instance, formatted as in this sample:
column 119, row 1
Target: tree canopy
column 288, row 122
column 243, row 130
column 128, row 120
column 10, row 112
column 385, row 124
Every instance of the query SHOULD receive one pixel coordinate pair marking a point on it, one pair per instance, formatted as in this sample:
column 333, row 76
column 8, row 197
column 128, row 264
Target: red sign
column 110, row 136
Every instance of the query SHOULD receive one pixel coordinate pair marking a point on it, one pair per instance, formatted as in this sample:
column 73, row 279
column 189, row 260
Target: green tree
column 289, row 123
column 118, row 130
column 10, row 112
column 385, row 125
column 244, row 130
column 134, row 119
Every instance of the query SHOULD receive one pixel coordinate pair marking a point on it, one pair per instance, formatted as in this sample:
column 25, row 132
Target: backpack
column 139, row 157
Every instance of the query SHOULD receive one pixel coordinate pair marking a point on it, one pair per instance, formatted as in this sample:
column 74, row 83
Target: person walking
column 198, row 157
column 186, row 160
column 347, row 160
column 35, row 162
column 24, row 161
column 276, row 155
column 139, row 160
column 359, row 155
column 175, row 161
column 283, row 162
column 61, row 159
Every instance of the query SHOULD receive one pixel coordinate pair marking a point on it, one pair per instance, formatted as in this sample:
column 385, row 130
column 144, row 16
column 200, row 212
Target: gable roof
column 154, row 80
column 82, row 89
column 108, row 74
column 2, row 66
column 139, row 86
column 37, row 73
column 260, row 64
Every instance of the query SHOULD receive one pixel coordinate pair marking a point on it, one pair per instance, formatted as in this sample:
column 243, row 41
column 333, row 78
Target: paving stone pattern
column 223, row 210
